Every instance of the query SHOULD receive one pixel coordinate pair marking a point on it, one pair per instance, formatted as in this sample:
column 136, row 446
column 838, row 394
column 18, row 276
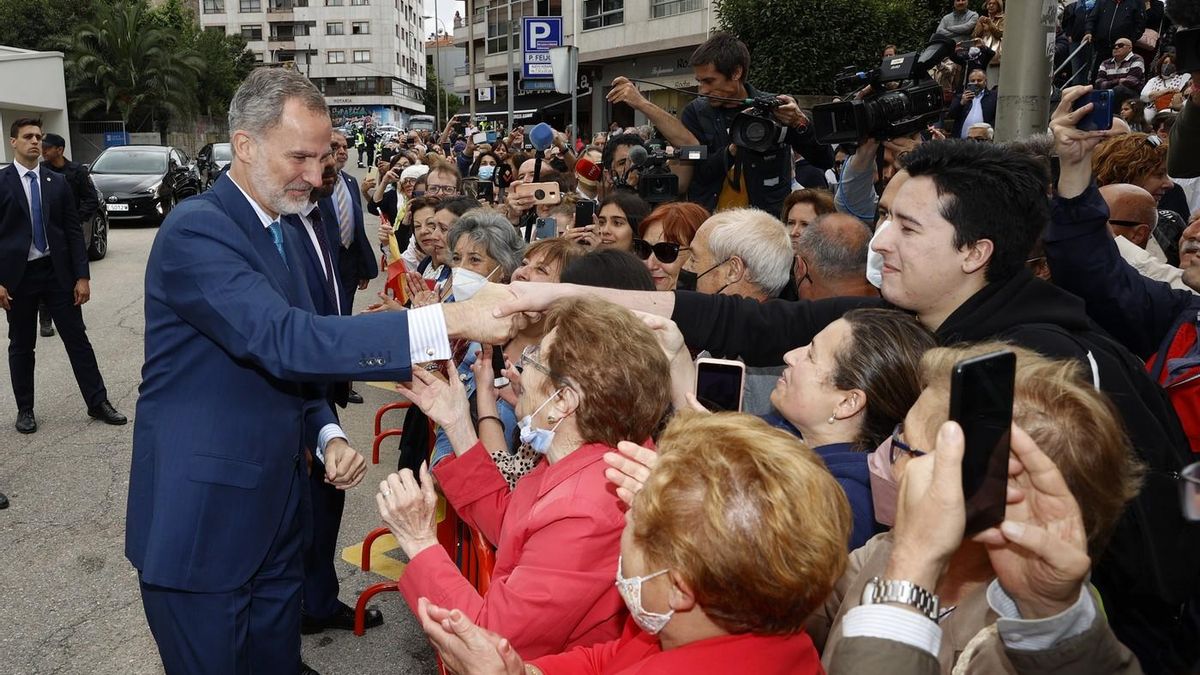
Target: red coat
column 636, row 653
column 558, row 535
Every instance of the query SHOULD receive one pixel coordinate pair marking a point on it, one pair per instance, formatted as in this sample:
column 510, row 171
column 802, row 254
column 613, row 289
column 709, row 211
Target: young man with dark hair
column 731, row 176
column 42, row 258
column 615, row 160
column 962, row 227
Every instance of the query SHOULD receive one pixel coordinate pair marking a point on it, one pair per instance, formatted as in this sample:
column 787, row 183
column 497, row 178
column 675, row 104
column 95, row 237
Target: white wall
column 47, row 98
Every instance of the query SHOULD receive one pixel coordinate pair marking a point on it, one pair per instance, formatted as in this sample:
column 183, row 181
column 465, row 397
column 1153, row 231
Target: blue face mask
column 486, row 172
column 538, row 439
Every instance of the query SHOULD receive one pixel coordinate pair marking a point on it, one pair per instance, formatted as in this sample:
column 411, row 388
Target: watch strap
column 879, row 590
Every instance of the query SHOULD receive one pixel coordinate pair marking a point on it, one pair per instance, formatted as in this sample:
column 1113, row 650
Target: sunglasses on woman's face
column 666, row 252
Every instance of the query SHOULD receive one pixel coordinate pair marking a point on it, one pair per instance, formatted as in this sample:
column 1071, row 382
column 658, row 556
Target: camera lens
column 539, row 194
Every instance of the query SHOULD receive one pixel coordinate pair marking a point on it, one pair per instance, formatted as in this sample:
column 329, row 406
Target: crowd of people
column 544, row 313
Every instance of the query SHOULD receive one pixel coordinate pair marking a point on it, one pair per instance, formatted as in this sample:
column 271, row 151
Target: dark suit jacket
column 228, row 403
column 958, row 112
column 314, row 274
column 63, row 233
column 360, row 262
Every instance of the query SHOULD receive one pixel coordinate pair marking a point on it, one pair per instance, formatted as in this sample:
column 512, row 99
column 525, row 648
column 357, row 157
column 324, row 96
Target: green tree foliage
column 40, row 24
column 433, row 89
column 227, row 61
column 796, row 46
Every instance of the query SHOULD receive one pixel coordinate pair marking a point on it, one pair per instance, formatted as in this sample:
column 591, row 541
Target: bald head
column 1132, row 212
column 833, row 257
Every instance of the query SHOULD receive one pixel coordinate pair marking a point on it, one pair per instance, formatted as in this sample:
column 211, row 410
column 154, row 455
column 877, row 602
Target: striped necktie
column 345, row 217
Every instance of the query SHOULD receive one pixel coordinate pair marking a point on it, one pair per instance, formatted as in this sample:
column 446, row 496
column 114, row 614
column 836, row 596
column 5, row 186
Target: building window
column 362, row 55
column 215, row 29
column 661, row 8
column 335, row 57
column 258, row 57
column 359, row 3
column 334, row 28
column 497, row 18
column 252, row 32
column 247, row 6
column 334, row 3
column 602, row 13
column 214, row 6
column 360, row 28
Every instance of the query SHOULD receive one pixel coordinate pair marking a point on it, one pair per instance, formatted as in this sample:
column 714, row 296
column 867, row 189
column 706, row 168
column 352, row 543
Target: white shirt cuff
column 328, row 433
column 1037, row 634
column 893, row 623
column 428, row 338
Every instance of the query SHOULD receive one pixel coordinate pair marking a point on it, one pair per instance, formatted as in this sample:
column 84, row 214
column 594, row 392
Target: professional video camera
column 755, row 127
column 885, row 113
column 656, row 183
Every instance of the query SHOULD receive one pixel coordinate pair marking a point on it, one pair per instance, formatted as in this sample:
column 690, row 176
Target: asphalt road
column 69, row 599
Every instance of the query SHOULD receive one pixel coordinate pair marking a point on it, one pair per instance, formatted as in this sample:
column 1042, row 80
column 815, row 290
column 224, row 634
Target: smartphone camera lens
column 539, row 194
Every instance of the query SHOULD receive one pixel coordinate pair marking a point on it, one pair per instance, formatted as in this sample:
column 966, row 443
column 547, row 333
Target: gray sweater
column 957, row 26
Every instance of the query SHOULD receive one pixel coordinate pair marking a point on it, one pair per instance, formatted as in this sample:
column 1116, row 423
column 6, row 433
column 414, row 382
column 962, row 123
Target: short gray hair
column 991, row 133
column 835, row 245
column 257, row 106
column 759, row 239
column 495, row 233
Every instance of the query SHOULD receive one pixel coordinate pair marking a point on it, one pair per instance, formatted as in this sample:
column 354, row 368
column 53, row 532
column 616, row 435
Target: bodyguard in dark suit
column 321, row 607
column 42, row 258
column 232, row 395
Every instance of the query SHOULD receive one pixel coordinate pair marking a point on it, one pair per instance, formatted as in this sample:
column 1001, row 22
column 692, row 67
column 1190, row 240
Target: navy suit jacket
column 958, row 112
column 360, row 262
column 63, row 233
column 230, row 394
column 314, row 275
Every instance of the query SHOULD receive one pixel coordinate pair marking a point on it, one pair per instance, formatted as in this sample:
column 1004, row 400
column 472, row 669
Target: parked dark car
column 142, row 183
column 211, row 161
column 95, row 230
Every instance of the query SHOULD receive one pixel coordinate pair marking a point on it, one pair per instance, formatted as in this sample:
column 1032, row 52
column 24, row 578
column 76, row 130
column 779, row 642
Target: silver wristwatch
column 879, row 590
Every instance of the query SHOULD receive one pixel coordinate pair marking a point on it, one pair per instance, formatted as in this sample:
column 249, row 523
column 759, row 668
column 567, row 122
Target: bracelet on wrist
column 490, row 417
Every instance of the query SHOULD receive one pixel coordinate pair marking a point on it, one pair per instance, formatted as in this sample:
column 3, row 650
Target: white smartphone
column 719, row 384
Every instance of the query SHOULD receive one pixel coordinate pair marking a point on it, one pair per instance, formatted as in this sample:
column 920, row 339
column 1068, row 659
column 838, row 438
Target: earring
column 832, row 419
column 551, row 419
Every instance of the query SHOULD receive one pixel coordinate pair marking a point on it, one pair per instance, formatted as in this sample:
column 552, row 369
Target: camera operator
column 614, row 160
column 730, row 176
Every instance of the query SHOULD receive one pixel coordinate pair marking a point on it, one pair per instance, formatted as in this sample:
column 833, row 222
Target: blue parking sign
column 538, row 35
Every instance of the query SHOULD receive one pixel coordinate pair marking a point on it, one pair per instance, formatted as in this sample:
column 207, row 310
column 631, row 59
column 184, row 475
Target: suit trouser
column 38, row 284
column 252, row 629
column 321, row 588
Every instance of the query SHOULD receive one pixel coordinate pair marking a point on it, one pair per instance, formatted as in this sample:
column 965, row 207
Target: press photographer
column 750, row 134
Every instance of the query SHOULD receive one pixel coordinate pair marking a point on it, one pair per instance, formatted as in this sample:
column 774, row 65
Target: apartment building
column 645, row 39
column 366, row 56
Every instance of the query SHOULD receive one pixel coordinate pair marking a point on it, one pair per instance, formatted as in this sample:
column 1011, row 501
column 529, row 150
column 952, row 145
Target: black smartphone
column 981, row 397
column 486, row 191
column 585, row 212
column 1100, row 118
column 719, row 384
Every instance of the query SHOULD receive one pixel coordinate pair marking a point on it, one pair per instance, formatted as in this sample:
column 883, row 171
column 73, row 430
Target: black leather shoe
column 305, row 669
column 3, row 501
column 343, row 619
column 107, row 414
column 26, row 422
column 47, row 330
column 354, row 397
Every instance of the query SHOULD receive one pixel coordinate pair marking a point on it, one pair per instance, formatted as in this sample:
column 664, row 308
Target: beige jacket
column 970, row 642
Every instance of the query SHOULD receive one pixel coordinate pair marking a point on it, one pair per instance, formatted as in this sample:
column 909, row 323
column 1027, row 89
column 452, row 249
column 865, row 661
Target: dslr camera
column 755, row 128
column 887, row 112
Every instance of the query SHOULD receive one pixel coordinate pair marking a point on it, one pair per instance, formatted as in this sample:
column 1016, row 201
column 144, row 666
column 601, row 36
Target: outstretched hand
column 443, row 400
column 464, row 647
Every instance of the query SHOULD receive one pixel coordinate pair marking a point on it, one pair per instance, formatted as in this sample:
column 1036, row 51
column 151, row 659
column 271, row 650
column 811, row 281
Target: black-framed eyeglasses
column 1124, row 223
column 666, row 251
column 529, row 357
column 899, row 445
column 445, row 190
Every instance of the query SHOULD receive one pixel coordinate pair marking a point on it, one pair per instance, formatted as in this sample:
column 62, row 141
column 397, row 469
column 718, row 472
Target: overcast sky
column 446, row 9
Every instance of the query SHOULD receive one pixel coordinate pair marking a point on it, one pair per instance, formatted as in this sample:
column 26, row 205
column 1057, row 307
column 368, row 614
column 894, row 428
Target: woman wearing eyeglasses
column 1077, row 428
column 557, row 533
column 664, row 236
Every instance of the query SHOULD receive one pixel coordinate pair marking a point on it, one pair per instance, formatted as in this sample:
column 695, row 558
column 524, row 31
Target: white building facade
column 366, row 56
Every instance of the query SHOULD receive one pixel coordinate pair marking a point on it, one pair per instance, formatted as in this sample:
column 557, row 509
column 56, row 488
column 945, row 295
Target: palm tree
column 122, row 63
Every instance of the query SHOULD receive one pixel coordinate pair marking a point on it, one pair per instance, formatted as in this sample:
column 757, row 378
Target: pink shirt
column 558, row 535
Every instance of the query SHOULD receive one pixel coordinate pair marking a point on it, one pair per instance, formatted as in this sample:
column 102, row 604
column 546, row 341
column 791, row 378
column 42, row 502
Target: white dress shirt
column 34, row 254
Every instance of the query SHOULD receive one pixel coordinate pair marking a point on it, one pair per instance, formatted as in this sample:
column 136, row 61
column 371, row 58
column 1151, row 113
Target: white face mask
column 466, row 283
column 536, row 438
column 631, row 592
column 875, row 260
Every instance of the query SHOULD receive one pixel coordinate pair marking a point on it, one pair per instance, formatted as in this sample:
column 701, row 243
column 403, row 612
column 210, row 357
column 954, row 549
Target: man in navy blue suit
column 43, row 259
column 356, row 257
column 232, row 395
column 315, row 229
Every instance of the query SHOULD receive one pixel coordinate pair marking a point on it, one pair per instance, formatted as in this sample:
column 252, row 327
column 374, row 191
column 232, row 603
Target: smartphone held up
column 981, row 398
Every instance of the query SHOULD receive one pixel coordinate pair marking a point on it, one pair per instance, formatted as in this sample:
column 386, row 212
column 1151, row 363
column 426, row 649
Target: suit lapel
column 243, row 214
column 355, row 204
column 13, row 177
column 332, row 234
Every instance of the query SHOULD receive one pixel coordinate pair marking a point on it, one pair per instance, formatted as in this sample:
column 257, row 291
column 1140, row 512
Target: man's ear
column 1141, row 235
column 978, row 256
column 735, row 271
column 739, row 74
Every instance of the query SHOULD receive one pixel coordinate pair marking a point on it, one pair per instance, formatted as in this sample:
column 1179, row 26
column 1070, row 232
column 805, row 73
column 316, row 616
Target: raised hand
column 444, row 401
column 628, row 469
column 409, row 510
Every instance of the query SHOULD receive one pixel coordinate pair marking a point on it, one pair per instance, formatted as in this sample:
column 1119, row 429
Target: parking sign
column 538, row 35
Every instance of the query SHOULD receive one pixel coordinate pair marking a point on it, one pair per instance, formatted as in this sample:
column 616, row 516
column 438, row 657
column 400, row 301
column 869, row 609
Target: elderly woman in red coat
column 737, row 536
column 597, row 377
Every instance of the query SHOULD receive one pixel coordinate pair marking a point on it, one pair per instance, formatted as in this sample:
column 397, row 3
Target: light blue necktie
column 277, row 236
column 35, row 211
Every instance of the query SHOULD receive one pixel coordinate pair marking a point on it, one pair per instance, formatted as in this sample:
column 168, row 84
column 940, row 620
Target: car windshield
column 132, row 162
column 222, row 153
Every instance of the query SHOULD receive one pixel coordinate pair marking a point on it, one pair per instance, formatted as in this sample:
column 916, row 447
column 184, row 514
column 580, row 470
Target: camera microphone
column 638, row 156
column 542, row 137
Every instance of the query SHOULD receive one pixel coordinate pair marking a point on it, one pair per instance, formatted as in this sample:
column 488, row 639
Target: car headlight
column 153, row 189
